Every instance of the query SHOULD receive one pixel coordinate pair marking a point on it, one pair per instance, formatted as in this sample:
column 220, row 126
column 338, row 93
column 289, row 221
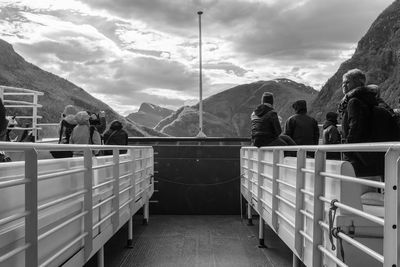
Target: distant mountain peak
column 149, row 115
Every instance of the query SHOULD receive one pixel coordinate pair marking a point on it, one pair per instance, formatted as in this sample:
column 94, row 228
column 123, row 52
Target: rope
column 334, row 231
column 331, row 215
column 210, row 184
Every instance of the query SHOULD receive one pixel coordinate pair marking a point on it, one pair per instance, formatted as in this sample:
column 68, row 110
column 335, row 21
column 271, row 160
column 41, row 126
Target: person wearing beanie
column 302, row 128
column 116, row 135
column 265, row 126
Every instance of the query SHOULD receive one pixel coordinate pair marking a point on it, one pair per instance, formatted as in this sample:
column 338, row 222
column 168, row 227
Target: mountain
column 149, row 115
column 232, row 108
column 378, row 54
column 58, row 92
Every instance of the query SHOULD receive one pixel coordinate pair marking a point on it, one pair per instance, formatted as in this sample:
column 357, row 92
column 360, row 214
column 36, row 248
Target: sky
column 126, row 52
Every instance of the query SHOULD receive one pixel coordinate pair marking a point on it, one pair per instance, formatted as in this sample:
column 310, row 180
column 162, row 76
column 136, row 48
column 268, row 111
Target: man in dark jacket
column 3, row 122
column 265, row 126
column 302, row 128
column 357, row 111
column 115, row 136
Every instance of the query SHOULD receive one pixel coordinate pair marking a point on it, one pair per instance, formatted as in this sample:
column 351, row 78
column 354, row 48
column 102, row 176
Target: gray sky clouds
column 126, row 52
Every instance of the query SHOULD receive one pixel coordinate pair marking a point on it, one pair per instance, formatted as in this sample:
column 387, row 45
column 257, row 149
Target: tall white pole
column 201, row 133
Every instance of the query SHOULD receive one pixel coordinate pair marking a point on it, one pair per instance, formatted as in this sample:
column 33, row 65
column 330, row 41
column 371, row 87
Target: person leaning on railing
column 116, row 135
column 83, row 133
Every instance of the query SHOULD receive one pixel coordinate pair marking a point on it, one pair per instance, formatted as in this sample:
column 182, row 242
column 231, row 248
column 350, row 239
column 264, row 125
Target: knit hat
column 331, row 116
column 300, row 106
column 82, row 117
column 267, row 97
column 70, row 110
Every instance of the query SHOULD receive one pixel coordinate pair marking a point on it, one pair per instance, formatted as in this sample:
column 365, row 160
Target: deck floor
column 186, row 240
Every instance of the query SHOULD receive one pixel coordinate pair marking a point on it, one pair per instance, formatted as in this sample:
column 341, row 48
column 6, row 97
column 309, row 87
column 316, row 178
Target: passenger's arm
column 316, row 133
column 276, row 126
column 289, row 128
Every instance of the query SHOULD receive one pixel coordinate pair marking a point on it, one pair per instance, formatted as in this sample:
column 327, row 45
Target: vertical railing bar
column 299, row 220
column 34, row 116
column 116, row 204
column 146, row 190
column 132, row 191
column 259, row 197
column 319, row 184
column 241, row 182
column 88, row 202
column 275, row 175
column 249, row 187
column 31, row 206
column 390, row 229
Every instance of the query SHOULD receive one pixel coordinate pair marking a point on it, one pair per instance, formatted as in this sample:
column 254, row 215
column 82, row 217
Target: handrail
column 35, row 174
column 300, row 191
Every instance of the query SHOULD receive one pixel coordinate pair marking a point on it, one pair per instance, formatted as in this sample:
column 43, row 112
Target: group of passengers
column 85, row 127
column 365, row 117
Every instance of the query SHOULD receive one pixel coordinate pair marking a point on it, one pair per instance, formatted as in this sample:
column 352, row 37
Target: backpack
column 66, row 128
column 385, row 124
column 92, row 128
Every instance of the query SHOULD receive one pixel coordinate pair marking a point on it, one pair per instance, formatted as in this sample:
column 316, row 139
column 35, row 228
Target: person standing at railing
column 265, row 126
column 365, row 118
column 67, row 124
column 331, row 134
column 83, row 133
column 116, row 135
column 302, row 128
column 3, row 122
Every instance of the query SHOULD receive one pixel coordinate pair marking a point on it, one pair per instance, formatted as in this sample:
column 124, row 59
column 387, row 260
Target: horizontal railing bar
column 307, row 214
column 102, row 166
column 24, row 106
column 125, row 162
column 14, row 217
column 57, row 201
column 103, row 220
column 126, row 203
column 14, row 94
column 308, row 193
column 64, row 249
column 356, row 244
column 285, row 183
column 306, row 236
column 265, row 203
column 354, row 180
column 103, row 202
column 266, row 189
column 20, row 89
column 286, row 166
column 13, row 252
column 126, row 175
column 307, row 170
column 21, row 146
column 59, row 174
column 14, row 183
column 103, row 184
column 126, row 189
column 360, row 213
column 266, row 176
column 144, row 179
column 285, row 219
column 267, row 163
column 61, row 225
column 332, row 256
column 140, row 170
column 17, row 102
column 287, row 202
column 30, row 117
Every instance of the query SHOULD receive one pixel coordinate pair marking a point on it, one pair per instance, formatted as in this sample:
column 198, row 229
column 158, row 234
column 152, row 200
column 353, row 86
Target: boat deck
column 187, row 240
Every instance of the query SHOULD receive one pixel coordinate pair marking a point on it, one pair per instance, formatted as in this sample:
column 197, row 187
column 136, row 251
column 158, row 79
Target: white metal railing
column 294, row 195
column 7, row 92
column 62, row 211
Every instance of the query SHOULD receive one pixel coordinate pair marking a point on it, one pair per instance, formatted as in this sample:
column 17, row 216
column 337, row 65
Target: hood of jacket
column 368, row 94
column 116, row 125
column 263, row 109
column 329, row 123
column 70, row 119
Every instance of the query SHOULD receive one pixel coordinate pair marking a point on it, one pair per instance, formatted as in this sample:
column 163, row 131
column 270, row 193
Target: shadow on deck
column 195, row 240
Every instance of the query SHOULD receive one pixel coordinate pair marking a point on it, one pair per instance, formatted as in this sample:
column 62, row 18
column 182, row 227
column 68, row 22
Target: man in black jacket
column 364, row 119
column 265, row 126
column 302, row 128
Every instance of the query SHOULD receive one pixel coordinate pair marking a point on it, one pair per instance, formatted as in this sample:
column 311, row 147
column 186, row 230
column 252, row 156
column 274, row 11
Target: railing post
column 392, row 212
column 249, row 187
column 132, row 196
column 260, row 183
column 276, row 155
column 115, row 217
column 34, row 116
column 241, row 182
column 298, row 220
column 31, row 205
column 145, row 193
column 88, row 202
column 319, row 184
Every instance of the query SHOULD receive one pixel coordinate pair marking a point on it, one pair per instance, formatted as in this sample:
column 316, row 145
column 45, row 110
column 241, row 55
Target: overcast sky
column 126, row 52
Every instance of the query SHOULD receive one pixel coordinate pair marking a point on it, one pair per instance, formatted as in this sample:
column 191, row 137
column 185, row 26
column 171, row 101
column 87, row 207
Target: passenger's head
column 116, row 125
column 94, row 118
column 352, row 79
column 69, row 110
column 267, row 98
column 300, row 106
column 82, row 118
column 332, row 116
